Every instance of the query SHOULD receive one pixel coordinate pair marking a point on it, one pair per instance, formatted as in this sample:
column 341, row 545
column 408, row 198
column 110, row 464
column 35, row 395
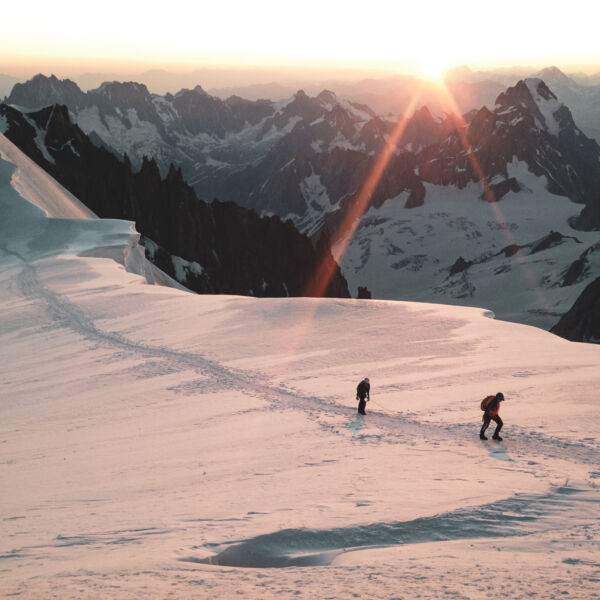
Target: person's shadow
column 497, row 451
column 357, row 424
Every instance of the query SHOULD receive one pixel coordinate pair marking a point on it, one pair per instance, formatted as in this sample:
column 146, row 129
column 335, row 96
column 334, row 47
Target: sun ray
column 342, row 235
column 491, row 198
column 303, row 313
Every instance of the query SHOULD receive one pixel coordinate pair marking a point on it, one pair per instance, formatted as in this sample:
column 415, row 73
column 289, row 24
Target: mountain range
column 236, row 149
column 517, row 183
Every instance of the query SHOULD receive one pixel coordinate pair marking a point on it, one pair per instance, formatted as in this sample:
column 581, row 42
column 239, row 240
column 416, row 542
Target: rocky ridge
column 210, row 248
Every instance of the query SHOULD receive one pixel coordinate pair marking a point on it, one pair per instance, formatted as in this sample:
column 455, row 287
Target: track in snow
column 392, row 427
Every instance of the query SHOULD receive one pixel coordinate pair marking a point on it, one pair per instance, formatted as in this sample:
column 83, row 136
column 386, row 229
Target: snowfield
column 398, row 252
column 155, row 443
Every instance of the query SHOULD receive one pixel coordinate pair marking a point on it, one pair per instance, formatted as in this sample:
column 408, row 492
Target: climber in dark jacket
column 492, row 407
column 362, row 391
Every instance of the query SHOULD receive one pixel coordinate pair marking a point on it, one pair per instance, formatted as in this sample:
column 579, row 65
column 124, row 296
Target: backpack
column 485, row 402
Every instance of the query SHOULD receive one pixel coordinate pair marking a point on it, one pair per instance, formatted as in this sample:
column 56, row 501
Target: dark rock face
column 580, row 267
column 552, row 239
column 236, row 251
column 119, row 99
column 510, row 250
column 201, row 113
column 500, row 189
column 589, row 218
column 574, row 272
column 582, row 322
column 460, row 265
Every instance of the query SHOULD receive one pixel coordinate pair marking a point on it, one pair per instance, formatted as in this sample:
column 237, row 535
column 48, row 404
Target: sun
column 432, row 67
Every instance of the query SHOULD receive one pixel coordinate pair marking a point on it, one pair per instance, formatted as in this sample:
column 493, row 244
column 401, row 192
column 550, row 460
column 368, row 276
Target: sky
column 425, row 36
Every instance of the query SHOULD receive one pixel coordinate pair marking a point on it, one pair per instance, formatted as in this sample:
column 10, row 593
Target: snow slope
column 155, row 443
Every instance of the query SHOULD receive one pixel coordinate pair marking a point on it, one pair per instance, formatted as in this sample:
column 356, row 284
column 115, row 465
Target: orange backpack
column 485, row 402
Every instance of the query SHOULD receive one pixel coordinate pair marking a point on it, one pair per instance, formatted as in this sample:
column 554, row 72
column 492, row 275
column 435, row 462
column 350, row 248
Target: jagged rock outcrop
column 582, row 322
column 217, row 248
column 589, row 218
column 459, row 266
column 580, row 267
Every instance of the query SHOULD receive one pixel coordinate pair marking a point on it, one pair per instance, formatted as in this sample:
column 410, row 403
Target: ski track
column 328, row 412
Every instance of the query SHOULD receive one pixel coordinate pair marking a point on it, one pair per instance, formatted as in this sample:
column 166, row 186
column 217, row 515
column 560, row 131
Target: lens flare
column 342, row 236
column 490, row 197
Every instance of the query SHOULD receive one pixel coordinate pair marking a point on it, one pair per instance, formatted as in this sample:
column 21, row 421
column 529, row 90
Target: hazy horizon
column 67, row 68
column 171, row 78
column 333, row 37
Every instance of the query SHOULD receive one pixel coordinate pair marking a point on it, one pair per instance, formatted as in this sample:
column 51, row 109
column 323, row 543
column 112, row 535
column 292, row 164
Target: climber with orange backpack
column 490, row 406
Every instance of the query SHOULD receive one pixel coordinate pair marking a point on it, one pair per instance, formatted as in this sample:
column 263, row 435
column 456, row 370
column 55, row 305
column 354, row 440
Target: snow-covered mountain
column 496, row 209
column 259, row 154
column 580, row 94
column 126, row 118
column 156, row 443
column 497, row 226
column 209, row 248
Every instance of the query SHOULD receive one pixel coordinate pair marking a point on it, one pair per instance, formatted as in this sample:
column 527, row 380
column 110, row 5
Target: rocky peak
column 532, row 98
column 554, row 75
column 301, row 108
column 304, row 107
column 423, row 117
column 116, row 97
column 41, row 91
column 422, row 129
column 327, row 98
column 514, row 96
column 123, row 93
column 528, row 123
column 202, row 113
column 251, row 111
column 186, row 92
column 481, row 125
